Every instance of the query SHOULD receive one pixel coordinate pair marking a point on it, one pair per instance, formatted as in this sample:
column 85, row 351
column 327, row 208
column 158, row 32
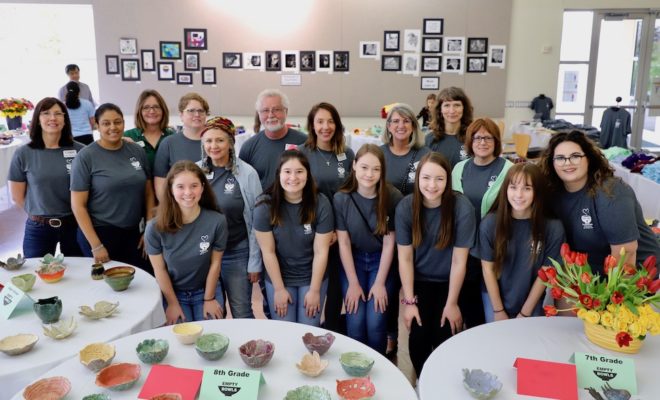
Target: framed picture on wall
column 232, row 60
column 170, row 50
column 291, row 61
column 130, row 69
column 112, row 65
column 452, row 64
column 391, row 40
column 410, row 63
column 431, row 44
column 148, row 60
column 430, row 83
column 434, row 26
column 496, row 56
column 128, row 46
column 431, row 63
column 195, row 39
column 454, row 45
column 477, row 45
column 273, row 60
column 341, row 63
column 390, row 63
column 412, row 40
column 191, row 61
column 253, row 61
column 165, row 71
column 476, row 64
column 184, row 78
column 208, row 76
column 308, row 60
column 324, row 61
column 370, row 50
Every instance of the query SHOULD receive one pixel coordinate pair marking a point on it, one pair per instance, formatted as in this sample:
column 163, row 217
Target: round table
column 140, row 308
column 6, row 154
column 494, row 347
column 280, row 374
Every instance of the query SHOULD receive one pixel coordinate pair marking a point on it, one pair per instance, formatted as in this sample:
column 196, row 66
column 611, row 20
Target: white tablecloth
column 495, row 346
column 539, row 136
column 140, row 308
column 6, row 153
column 280, row 374
column 646, row 190
column 356, row 141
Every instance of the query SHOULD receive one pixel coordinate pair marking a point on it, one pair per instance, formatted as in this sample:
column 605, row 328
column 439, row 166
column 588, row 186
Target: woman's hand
column 253, row 277
column 142, row 247
column 411, row 312
column 353, row 296
column 501, row 316
column 282, row 301
column 333, row 238
column 173, row 314
column 212, row 310
column 312, row 303
column 452, row 313
column 101, row 255
column 379, row 294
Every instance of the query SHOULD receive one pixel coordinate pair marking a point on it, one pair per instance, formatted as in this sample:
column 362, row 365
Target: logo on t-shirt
column 68, row 165
column 204, row 245
column 135, row 163
column 586, row 219
column 411, row 172
column 492, row 180
column 230, row 184
column 307, row 229
column 535, row 248
column 463, row 154
column 341, row 171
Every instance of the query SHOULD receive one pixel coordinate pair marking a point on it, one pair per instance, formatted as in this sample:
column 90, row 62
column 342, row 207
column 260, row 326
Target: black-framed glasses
column 574, row 159
column 484, row 139
column 151, row 108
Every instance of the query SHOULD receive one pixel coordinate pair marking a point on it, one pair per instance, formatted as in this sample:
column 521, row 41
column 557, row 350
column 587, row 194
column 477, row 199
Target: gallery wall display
column 170, row 50
column 430, row 83
column 290, row 61
column 412, row 40
column 253, row 61
column 324, row 61
column 452, row 64
column 431, row 63
column 148, row 60
column 391, row 63
column 433, row 26
column 431, row 44
column 191, row 61
column 130, row 69
column 308, row 60
column 195, row 39
column 477, row 45
column 391, row 40
column 165, row 71
column 370, row 50
column 496, row 56
column 112, row 65
column 208, row 76
column 232, row 60
column 184, row 78
column 128, row 46
column 273, row 60
column 476, row 64
column 341, row 63
column 454, row 45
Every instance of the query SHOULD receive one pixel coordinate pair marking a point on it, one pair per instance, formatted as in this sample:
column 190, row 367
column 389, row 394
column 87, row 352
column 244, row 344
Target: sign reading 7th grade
column 599, row 370
column 230, row 383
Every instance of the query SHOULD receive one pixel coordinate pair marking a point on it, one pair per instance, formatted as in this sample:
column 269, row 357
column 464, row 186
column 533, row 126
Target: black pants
column 470, row 302
column 121, row 245
column 84, row 139
column 393, row 303
column 334, row 321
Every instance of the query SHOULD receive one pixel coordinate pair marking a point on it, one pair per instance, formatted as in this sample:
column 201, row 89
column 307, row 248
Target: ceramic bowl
column 12, row 263
column 167, row 396
column 356, row 389
column 152, row 351
column 119, row 277
column 97, row 396
column 18, row 344
column 121, row 376
column 319, row 344
column 212, row 346
column 481, row 385
column 102, row 309
column 97, row 356
column 48, row 310
column 308, row 393
column 257, row 353
column 54, row 388
column 312, row 365
column 51, row 276
column 356, row 364
column 60, row 330
column 24, row 282
column 187, row 332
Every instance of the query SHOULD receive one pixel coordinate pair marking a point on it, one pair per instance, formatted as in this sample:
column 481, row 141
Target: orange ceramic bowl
column 52, row 277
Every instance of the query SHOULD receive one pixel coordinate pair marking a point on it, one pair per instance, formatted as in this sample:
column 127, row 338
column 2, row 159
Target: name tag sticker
column 209, row 175
column 341, row 157
column 140, row 143
column 290, row 146
column 69, row 153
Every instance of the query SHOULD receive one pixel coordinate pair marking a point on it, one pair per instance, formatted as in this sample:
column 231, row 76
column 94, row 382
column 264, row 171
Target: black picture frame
column 477, row 45
column 191, row 61
column 431, row 26
column 148, row 59
column 273, row 60
column 166, row 71
column 130, row 69
column 432, row 44
column 429, row 83
column 308, row 60
column 232, row 60
column 476, row 64
column 427, row 64
column 112, row 65
column 170, row 50
column 390, row 63
column 341, row 61
column 391, row 40
column 195, row 39
column 184, row 78
column 209, row 76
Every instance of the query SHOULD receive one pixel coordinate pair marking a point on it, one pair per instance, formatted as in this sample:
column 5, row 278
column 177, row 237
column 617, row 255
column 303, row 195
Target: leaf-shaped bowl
column 97, row 356
column 187, row 332
column 356, row 389
column 319, row 344
column 13, row 263
column 121, row 376
column 257, row 353
column 24, row 282
column 60, row 330
column 308, row 393
column 54, row 388
column 212, row 346
column 152, row 351
column 481, row 385
column 102, row 309
column 18, row 344
column 312, row 365
column 356, row 364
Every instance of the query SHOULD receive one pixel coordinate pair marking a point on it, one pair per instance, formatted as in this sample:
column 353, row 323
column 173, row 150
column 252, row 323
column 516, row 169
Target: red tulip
column 610, row 262
column 564, row 250
column 652, row 272
column 617, row 297
column 586, row 300
column 643, row 283
column 570, row 257
column 581, row 259
column 542, row 275
column 649, row 263
column 550, row 311
column 557, row 293
column 577, row 290
column 654, row 286
column 585, row 277
column 596, row 303
column 629, row 269
column 623, row 339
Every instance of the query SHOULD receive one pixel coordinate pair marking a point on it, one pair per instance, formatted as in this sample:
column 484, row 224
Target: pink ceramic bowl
column 119, row 376
column 257, row 353
column 54, row 388
column 356, row 389
column 319, row 344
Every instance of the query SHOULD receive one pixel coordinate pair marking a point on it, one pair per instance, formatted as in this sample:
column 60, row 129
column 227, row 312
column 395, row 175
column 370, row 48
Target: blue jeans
column 192, row 302
column 295, row 312
column 488, row 306
column 236, row 283
column 40, row 239
column 367, row 325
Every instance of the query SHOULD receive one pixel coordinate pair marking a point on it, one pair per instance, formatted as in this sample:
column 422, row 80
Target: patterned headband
column 222, row 123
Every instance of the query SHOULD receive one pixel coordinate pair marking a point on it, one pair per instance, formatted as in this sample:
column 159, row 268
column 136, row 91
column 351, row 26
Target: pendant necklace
column 327, row 160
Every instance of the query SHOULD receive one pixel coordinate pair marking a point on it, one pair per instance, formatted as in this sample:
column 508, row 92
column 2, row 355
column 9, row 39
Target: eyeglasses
column 484, row 139
column 405, row 121
column 151, row 108
column 196, row 111
column 274, row 110
column 573, row 158
column 48, row 114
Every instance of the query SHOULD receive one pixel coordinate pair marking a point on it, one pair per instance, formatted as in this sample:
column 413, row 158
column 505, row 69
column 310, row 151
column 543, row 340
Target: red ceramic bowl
column 121, row 376
column 52, row 277
column 356, row 389
column 54, row 388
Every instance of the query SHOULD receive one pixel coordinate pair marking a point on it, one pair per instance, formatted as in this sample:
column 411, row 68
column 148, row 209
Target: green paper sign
column 600, row 370
column 233, row 383
column 11, row 299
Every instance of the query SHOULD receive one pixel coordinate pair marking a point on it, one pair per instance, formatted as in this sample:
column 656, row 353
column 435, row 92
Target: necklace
column 327, row 160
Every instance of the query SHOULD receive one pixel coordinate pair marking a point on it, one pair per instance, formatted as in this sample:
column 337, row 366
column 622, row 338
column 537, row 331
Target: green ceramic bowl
column 356, row 364
column 97, row 396
column 308, row 393
column 152, row 351
column 212, row 346
column 24, row 282
column 119, row 277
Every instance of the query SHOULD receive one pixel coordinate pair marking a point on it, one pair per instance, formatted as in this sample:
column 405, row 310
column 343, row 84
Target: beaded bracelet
column 409, row 302
column 99, row 247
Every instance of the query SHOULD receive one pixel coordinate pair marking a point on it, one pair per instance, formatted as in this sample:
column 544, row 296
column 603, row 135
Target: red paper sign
column 169, row 379
column 547, row 379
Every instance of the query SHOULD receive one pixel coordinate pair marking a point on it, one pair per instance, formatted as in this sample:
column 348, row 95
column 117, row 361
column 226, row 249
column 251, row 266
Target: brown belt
column 53, row 222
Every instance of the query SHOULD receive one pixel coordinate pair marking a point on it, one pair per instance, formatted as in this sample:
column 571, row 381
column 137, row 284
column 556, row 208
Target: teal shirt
column 138, row 137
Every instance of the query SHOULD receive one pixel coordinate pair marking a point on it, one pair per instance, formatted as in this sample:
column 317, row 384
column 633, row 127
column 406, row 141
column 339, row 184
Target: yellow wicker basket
column 606, row 338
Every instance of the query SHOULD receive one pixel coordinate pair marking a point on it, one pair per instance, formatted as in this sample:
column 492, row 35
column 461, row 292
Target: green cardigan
column 491, row 193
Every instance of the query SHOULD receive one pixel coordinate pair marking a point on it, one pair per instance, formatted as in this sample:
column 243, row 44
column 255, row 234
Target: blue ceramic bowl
column 48, row 310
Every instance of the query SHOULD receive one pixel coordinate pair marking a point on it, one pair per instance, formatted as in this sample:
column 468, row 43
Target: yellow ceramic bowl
column 187, row 333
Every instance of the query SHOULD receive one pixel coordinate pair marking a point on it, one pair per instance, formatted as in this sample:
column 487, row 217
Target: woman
column 236, row 187
column 293, row 225
column 81, row 112
column 152, row 118
column 425, row 112
column 515, row 240
column 364, row 214
column 600, row 213
column 185, row 243
column 450, row 117
column 111, row 192
column 184, row 145
column 39, row 182
column 435, row 228
column 329, row 159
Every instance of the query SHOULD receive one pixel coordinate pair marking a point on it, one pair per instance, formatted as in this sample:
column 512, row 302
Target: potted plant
column 14, row 109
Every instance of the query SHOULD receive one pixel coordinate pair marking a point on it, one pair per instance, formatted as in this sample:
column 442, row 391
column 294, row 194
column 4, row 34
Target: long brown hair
column 274, row 195
column 169, row 218
column 140, row 123
column 448, row 203
column 337, row 138
column 437, row 124
column 528, row 173
column 36, row 132
column 382, row 194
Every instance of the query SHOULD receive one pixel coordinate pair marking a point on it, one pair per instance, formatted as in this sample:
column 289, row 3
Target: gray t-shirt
column 263, row 154
column 187, row 252
column 519, row 271
column 175, row 148
column 592, row 224
column 449, row 146
column 294, row 242
column 47, row 174
column 614, row 128
column 431, row 264
column 479, row 178
column 401, row 169
column 230, row 201
column 347, row 218
column 115, row 180
column 329, row 170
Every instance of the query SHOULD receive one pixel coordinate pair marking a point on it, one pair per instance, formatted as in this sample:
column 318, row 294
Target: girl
column 435, row 228
column 515, row 240
column 450, row 117
column 364, row 214
column 185, row 243
column 294, row 225
column 81, row 112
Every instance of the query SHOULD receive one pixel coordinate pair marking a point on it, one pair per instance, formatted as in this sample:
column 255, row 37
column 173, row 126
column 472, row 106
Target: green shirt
column 138, row 137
